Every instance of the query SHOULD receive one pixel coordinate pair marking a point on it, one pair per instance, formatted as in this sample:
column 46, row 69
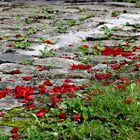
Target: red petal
column 31, row 106
column 41, row 113
column 15, row 130
column 15, row 136
column 15, row 72
column 62, row 115
column 27, row 78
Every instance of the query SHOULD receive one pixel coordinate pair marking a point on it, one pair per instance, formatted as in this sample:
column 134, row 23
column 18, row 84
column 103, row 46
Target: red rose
column 41, row 113
column 27, row 78
column 62, row 115
column 15, row 136
column 15, row 130
column 16, row 72
column 77, row 118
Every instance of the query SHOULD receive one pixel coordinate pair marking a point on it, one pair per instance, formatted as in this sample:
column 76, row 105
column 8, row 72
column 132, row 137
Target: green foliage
column 62, row 26
column 49, row 10
column 91, row 50
column 137, row 26
column 32, row 31
column 28, row 61
column 107, row 116
column 4, row 135
column 116, row 13
column 107, row 32
column 22, row 42
column 138, row 3
column 84, row 17
column 45, row 53
column 29, row 20
column 82, row 9
column 6, row 37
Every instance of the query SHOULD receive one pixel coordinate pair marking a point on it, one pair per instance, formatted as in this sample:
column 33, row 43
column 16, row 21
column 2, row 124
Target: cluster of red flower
column 80, row 66
column 114, row 52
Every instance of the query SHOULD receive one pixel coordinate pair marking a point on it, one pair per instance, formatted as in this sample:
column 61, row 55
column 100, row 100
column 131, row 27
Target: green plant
column 49, row 10
column 45, row 53
column 28, row 61
column 22, row 42
column 84, row 17
column 32, row 31
column 4, row 135
column 107, row 32
column 116, row 13
column 137, row 26
column 16, row 27
column 6, row 37
column 138, row 3
column 41, row 39
column 29, row 20
column 18, row 16
column 62, row 26
column 82, row 9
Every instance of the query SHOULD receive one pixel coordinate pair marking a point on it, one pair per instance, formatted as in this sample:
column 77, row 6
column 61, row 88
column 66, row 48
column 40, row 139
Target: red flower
column 24, row 91
column 71, row 95
column 129, row 100
column 80, row 66
column 42, row 89
column 128, row 53
column 113, row 52
column 48, row 42
column 47, row 83
column 133, row 57
column 18, row 35
column 121, row 86
column 126, row 44
column 31, row 106
column 118, row 51
column 5, row 92
column 124, row 79
column 57, row 89
column 62, row 115
column 56, row 99
column 68, row 80
column 61, row 121
column 27, row 78
column 15, row 136
column 41, row 68
column 138, row 81
column 85, row 46
column 16, row 72
column 41, row 113
column 103, row 75
column 1, row 114
column 9, row 45
column 10, row 80
column 50, row 119
column 29, row 98
column 115, row 66
column 138, row 65
column 108, row 51
column 15, row 130
column 0, row 79
column 77, row 118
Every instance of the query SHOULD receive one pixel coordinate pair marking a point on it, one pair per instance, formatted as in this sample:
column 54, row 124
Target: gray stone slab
column 13, row 58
